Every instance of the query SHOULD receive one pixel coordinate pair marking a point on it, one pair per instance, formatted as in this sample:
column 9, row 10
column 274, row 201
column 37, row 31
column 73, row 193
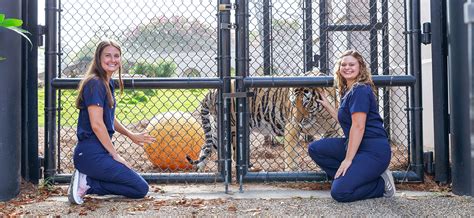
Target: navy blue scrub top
column 94, row 93
column 361, row 99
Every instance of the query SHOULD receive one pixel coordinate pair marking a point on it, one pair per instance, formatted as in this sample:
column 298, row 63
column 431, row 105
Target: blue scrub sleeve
column 360, row 99
column 94, row 93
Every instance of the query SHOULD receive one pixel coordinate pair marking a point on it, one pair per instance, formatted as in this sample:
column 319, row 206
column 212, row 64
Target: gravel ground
column 257, row 200
column 398, row 206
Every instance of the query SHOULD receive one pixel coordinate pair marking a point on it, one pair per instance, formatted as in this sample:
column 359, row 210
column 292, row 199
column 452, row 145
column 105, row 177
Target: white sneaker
column 389, row 184
column 73, row 195
column 83, row 187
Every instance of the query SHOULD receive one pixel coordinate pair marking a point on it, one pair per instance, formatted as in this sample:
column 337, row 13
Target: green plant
column 14, row 25
column 163, row 68
column 46, row 184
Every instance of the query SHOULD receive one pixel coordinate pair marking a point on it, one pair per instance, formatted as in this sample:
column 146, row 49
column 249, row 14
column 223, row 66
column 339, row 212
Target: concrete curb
column 250, row 191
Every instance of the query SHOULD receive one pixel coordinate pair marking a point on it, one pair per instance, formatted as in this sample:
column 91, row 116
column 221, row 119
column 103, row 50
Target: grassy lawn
column 133, row 106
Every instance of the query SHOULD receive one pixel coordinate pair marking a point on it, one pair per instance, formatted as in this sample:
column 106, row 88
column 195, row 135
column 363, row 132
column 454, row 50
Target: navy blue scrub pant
column 362, row 180
column 106, row 175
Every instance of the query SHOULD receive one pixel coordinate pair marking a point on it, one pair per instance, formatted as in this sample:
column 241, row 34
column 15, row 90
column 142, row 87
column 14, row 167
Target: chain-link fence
column 179, row 39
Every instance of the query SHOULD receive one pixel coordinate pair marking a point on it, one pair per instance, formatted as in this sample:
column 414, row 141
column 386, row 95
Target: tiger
column 283, row 111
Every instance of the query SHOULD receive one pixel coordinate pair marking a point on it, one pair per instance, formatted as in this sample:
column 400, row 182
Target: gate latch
column 238, row 95
column 226, row 7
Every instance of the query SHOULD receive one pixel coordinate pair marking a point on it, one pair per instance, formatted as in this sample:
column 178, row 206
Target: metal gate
column 274, row 44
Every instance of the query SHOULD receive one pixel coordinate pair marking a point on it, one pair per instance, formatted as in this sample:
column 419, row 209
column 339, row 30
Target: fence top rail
column 258, row 81
column 323, row 81
column 150, row 83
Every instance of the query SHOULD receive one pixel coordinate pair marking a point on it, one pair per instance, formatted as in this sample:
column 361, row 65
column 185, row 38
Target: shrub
column 163, row 68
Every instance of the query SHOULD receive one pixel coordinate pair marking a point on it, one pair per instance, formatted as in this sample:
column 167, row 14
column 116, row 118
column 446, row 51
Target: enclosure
column 244, row 61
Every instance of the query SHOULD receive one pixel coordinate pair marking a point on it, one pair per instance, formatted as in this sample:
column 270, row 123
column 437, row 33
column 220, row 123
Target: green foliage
column 163, row 68
column 134, row 97
column 46, row 184
column 146, row 104
column 14, row 25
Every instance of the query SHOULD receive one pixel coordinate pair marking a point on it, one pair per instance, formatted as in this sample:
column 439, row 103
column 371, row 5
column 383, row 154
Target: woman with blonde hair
column 99, row 167
column 357, row 163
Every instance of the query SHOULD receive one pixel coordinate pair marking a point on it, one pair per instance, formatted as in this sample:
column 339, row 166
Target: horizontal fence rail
column 150, row 83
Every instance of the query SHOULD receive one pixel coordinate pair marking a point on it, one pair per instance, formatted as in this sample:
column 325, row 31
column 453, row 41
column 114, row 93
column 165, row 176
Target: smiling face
column 349, row 69
column 110, row 60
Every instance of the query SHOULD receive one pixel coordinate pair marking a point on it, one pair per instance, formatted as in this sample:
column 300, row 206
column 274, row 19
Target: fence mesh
column 179, row 39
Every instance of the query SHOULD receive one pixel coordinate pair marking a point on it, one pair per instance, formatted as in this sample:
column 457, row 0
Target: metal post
column 373, row 37
column 242, row 68
column 224, row 73
column 308, row 35
column 10, row 101
column 459, row 84
column 267, row 40
column 459, row 80
column 51, row 56
column 323, row 32
column 469, row 19
column 440, row 91
column 416, row 93
column 386, row 67
column 30, row 161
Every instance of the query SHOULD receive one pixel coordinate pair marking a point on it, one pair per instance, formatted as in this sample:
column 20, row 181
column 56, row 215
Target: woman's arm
column 324, row 101
column 355, row 137
column 99, row 129
column 137, row 138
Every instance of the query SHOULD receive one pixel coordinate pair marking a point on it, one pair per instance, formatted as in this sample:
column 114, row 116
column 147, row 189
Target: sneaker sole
column 73, row 186
column 392, row 183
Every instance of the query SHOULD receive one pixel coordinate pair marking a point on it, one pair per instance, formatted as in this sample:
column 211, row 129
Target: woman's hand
column 327, row 105
column 324, row 100
column 343, row 168
column 120, row 159
column 141, row 138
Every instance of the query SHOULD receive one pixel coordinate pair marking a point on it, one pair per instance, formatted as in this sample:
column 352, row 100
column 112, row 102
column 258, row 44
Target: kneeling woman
column 99, row 167
column 359, row 162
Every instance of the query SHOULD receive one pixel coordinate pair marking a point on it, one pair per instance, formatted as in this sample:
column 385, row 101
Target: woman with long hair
column 357, row 163
column 99, row 167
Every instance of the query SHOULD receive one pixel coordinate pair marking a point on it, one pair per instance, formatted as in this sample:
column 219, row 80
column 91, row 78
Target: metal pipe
column 374, row 63
column 323, row 42
column 416, row 106
column 10, row 101
column 242, row 68
column 51, row 54
column 224, row 60
column 440, row 91
column 162, row 178
column 308, row 35
column 267, row 40
column 320, row 176
column 459, row 84
column 323, row 81
column 30, row 161
column 149, row 83
column 469, row 19
column 386, row 68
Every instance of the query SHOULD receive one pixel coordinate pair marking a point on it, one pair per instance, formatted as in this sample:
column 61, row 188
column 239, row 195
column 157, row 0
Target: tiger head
column 312, row 117
column 304, row 99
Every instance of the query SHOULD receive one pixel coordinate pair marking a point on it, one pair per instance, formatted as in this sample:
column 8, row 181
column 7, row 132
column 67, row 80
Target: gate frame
column 243, row 82
column 415, row 172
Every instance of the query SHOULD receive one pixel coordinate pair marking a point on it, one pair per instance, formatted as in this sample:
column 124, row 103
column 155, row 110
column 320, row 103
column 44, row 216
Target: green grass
column 133, row 106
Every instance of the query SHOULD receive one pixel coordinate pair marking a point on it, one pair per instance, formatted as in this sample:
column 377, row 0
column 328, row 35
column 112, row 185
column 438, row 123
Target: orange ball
column 177, row 134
